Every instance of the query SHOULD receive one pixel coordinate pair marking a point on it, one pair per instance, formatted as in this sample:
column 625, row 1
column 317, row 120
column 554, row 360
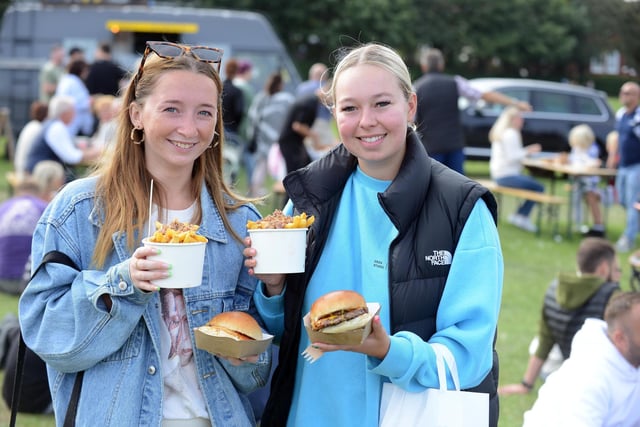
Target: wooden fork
column 311, row 354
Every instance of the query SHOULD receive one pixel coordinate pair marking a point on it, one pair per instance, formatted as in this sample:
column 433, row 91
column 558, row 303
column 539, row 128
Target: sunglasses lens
column 166, row 50
column 209, row 55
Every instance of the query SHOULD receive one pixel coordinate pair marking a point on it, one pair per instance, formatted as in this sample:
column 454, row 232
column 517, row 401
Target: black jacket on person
column 232, row 106
column 438, row 116
column 304, row 110
column 563, row 322
column 425, row 199
column 104, row 78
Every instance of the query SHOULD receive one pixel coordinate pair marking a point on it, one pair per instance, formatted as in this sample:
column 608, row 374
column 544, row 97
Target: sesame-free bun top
column 336, row 301
column 235, row 324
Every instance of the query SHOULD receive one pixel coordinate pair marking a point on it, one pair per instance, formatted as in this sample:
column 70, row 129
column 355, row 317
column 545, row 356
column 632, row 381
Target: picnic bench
column 548, row 202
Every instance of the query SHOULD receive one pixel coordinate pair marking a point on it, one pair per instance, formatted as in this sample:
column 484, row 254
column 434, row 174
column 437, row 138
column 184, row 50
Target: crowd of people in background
column 389, row 142
column 70, row 119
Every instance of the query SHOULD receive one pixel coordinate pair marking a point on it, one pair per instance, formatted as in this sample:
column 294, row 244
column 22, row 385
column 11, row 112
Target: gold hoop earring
column 134, row 136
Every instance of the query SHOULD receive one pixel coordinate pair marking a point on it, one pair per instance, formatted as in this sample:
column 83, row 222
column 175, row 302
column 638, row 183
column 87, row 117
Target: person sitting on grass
column 18, row 218
column 599, row 385
column 568, row 301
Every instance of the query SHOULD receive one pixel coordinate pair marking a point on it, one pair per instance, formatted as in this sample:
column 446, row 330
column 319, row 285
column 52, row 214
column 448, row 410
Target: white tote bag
column 435, row 407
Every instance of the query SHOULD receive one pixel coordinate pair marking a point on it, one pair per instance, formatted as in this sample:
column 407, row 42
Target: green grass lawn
column 530, row 263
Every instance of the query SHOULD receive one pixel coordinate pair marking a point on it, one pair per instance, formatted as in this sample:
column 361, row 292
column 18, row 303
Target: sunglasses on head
column 168, row 50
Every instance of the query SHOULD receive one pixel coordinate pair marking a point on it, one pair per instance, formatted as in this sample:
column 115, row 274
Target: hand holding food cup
column 181, row 249
column 143, row 270
column 276, row 246
column 274, row 283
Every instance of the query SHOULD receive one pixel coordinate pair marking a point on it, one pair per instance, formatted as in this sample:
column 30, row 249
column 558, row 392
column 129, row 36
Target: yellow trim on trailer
column 116, row 26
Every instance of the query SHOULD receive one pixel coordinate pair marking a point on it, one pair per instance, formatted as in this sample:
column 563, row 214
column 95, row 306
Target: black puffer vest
column 425, row 199
column 564, row 323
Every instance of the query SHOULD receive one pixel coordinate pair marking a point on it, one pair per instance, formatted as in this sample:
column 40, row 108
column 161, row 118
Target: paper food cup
column 280, row 250
column 186, row 260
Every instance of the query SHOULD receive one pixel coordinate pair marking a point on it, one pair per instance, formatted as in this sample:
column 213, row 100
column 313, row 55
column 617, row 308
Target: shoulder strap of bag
column 69, row 421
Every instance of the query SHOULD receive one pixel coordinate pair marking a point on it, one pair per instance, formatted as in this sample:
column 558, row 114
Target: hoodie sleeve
column 467, row 315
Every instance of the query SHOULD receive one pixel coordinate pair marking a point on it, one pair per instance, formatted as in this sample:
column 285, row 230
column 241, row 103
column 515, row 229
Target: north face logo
column 439, row 258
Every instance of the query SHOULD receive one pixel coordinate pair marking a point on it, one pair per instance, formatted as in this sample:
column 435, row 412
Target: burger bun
column 335, row 301
column 233, row 324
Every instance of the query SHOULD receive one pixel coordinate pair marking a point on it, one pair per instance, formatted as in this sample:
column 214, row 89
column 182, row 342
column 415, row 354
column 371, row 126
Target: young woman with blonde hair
column 505, row 165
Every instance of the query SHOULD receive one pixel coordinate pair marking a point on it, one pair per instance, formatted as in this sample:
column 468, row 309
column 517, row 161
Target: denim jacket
column 65, row 321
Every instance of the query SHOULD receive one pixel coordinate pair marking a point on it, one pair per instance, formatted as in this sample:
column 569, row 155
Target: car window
column 495, row 109
column 586, row 105
column 518, row 93
column 551, row 102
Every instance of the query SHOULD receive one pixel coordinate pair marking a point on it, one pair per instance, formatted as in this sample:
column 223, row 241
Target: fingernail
column 315, row 346
column 158, row 288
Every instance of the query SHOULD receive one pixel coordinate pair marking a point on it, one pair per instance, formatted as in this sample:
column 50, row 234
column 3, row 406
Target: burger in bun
column 233, row 324
column 339, row 311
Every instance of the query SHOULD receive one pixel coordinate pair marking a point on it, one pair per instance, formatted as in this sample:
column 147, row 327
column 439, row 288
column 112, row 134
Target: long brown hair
column 123, row 186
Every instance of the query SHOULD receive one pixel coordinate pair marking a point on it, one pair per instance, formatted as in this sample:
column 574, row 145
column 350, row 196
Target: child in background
column 585, row 153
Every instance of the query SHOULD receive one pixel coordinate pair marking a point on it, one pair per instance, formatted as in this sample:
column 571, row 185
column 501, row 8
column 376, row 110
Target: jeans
column 523, row 182
column 628, row 187
column 453, row 160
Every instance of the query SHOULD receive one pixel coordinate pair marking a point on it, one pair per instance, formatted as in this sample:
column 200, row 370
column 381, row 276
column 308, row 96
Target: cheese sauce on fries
column 278, row 220
column 176, row 232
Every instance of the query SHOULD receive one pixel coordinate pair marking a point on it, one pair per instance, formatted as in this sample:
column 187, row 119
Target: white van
column 30, row 30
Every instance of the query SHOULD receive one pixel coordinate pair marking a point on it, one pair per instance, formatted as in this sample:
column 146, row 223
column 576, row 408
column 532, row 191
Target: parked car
column 557, row 107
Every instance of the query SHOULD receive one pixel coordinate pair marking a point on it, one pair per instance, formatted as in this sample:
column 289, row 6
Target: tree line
column 549, row 39
column 536, row 38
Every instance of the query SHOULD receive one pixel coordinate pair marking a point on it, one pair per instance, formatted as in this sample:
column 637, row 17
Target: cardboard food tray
column 229, row 347
column 346, row 338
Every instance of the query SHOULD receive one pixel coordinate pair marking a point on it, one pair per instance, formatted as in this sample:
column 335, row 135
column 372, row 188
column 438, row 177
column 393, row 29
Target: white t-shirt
column 61, row 142
column 183, row 398
column 507, row 155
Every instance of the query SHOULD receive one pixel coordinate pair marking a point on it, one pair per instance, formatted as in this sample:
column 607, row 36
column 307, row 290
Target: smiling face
column 372, row 114
column 179, row 119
